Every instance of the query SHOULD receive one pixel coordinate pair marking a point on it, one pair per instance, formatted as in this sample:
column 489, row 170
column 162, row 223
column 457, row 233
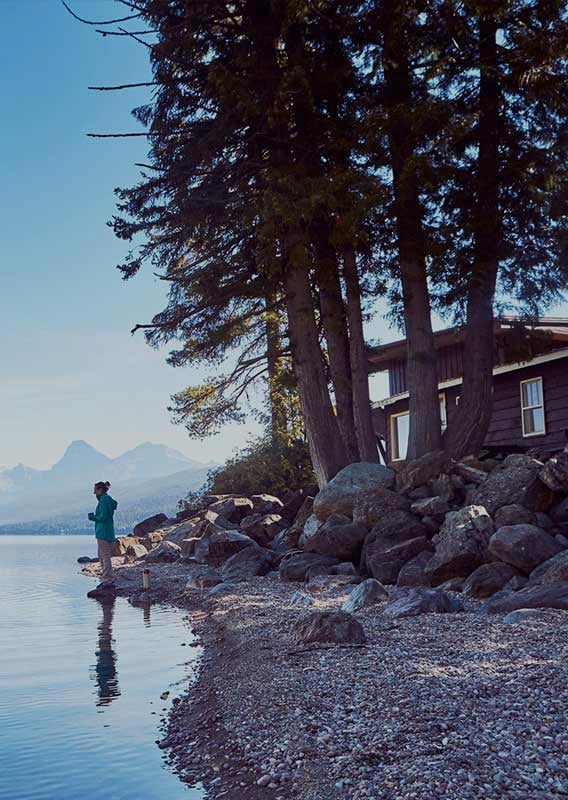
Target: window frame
column 394, row 434
column 524, row 408
column 393, row 429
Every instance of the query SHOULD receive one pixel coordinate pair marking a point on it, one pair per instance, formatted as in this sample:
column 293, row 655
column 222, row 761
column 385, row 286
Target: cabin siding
column 506, row 429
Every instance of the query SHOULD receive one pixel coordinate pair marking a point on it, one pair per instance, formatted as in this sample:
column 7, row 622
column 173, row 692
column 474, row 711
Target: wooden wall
column 506, row 424
column 450, row 365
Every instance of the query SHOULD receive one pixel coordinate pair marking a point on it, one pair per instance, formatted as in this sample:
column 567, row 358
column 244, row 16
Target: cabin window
column 532, row 406
column 400, row 427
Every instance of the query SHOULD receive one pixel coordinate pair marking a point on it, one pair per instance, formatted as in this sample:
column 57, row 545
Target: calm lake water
column 80, row 682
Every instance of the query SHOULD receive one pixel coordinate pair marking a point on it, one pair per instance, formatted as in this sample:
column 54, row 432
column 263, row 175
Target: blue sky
column 69, row 367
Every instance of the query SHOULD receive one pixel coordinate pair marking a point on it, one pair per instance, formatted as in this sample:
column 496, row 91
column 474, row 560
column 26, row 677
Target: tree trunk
column 424, row 404
column 336, row 336
column 278, row 415
column 468, row 431
column 362, row 413
column 326, row 445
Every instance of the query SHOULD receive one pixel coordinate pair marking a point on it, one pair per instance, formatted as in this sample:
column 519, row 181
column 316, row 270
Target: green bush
column 264, row 467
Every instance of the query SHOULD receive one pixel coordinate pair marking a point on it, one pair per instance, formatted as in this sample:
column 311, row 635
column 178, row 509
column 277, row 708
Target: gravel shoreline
column 434, row 707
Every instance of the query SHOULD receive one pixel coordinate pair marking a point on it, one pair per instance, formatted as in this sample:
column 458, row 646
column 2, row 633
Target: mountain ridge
column 27, row 494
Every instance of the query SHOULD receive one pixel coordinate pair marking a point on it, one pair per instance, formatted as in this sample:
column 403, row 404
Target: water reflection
column 105, row 673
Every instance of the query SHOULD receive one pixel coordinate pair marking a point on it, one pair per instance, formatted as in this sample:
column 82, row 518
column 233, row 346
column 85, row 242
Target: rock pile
column 496, row 529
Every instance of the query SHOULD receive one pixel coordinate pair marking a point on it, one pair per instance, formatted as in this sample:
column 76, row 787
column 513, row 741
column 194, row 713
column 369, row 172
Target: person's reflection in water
column 105, row 673
column 147, row 616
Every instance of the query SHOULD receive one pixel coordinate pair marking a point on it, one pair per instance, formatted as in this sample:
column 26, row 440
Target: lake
column 80, row 682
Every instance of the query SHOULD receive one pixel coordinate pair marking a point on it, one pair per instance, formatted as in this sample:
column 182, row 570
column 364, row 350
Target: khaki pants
column 105, row 551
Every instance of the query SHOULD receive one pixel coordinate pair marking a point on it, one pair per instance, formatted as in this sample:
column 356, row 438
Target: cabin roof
column 380, row 357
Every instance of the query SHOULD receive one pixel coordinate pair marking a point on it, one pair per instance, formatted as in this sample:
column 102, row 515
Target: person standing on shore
column 104, row 531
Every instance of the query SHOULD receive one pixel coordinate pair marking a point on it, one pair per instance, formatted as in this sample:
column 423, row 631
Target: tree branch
column 102, row 22
column 121, row 86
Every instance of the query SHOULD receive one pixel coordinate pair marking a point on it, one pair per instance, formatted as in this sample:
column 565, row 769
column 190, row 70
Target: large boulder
column 553, row 570
column 559, row 512
column 413, row 573
column 555, row 473
column 295, row 566
column 151, row 539
column 165, row 551
column 488, row 579
column 410, row 601
column 365, row 594
column 136, row 550
column 509, row 484
column 391, row 529
column 539, row 596
column 372, row 505
column 338, row 537
column 384, row 561
column 328, row 626
column 203, row 578
column 122, row 543
column 430, row 507
column 296, row 529
column 422, row 470
column 293, row 502
column 248, row 563
column 461, row 544
column 149, row 525
column 338, row 496
column 513, row 514
column 523, row 546
column 233, row 509
column 185, row 530
column 262, row 527
column 266, row 504
column 217, row 546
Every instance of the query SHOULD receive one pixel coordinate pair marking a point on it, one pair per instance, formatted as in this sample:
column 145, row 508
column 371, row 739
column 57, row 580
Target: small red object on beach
column 146, row 579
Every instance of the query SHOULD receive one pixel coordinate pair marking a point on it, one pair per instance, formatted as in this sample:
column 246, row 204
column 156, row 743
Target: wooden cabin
column 530, row 406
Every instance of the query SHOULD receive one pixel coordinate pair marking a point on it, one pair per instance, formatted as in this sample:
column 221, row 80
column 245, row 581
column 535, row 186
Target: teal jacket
column 103, row 518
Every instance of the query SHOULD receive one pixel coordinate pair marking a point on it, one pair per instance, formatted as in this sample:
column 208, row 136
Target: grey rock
column 523, row 615
column 293, row 502
column 539, row 596
column 248, row 563
column 294, row 566
column 222, row 588
column 87, row 560
column 203, row 578
column 470, row 474
column 513, row 514
column 430, row 506
column 461, row 544
column 217, row 545
column 508, row 485
column 384, row 562
column 452, row 585
column 421, row 471
column 188, row 547
column 233, row 509
column 165, row 552
column 301, row 599
column 559, row 512
column 365, row 594
column 562, row 540
column 262, row 528
column 136, row 550
column 343, row 541
column 371, row 506
column 523, row 546
column 184, row 530
column 345, row 568
column 408, row 601
column 328, row 626
column 554, row 473
column 488, row 579
column 149, row 525
column 266, row 504
column 553, row 570
column 413, row 572
column 339, row 495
